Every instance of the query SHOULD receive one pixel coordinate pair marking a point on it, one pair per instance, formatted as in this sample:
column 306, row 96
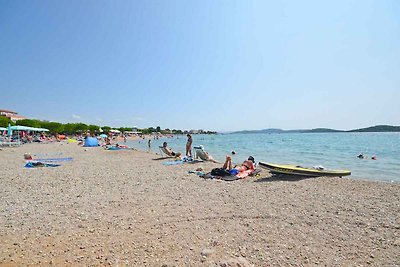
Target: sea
column 331, row 150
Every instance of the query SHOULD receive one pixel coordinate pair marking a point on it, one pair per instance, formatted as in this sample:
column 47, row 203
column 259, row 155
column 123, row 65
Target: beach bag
column 220, row 172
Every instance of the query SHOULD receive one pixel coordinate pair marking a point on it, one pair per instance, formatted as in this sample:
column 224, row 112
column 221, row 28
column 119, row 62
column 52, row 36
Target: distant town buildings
column 196, row 131
column 12, row 115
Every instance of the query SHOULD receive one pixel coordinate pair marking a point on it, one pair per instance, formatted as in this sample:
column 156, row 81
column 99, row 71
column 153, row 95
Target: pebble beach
column 125, row 208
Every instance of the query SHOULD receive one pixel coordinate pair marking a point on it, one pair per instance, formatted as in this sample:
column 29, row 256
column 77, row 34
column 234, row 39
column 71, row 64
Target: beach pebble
column 236, row 262
column 207, row 252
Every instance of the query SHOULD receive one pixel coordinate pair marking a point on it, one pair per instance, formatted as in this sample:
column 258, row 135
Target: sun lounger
column 167, row 153
column 11, row 144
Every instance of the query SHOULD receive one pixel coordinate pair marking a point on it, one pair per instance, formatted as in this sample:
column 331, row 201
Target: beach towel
column 118, row 148
column 53, row 159
column 33, row 164
column 173, row 162
column 231, row 177
column 48, row 154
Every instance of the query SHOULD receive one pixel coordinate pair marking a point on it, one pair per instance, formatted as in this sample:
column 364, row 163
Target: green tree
column 4, row 121
column 30, row 123
column 80, row 127
column 69, row 128
column 122, row 129
column 158, row 129
column 53, row 127
column 93, row 128
column 144, row 131
column 106, row 128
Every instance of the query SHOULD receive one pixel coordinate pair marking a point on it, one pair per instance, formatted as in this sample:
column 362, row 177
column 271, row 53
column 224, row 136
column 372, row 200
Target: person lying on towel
column 246, row 165
column 240, row 171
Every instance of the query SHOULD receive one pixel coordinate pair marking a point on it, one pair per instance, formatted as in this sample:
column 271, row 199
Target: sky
column 214, row 65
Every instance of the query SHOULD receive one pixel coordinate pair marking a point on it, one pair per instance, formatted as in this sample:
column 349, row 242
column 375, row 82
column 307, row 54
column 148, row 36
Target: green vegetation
column 4, row 121
column 72, row 128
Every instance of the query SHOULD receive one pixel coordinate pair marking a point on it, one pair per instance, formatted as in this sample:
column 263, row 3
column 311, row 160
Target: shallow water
column 331, row 150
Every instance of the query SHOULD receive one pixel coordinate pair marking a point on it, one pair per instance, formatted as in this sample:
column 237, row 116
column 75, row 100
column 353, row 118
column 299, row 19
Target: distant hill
column 377, row 128
column 267, row 131
column 316, row 130
column 274, row 131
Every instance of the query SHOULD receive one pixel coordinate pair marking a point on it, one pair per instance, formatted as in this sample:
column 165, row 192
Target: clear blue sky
column 218, row 65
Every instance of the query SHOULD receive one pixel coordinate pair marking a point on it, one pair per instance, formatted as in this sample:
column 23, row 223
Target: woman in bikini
column 246, row 165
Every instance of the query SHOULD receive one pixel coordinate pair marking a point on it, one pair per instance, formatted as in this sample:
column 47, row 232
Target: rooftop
column 8, row 111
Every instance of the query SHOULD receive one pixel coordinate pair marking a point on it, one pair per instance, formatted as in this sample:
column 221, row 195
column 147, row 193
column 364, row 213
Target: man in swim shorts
column 169, row 151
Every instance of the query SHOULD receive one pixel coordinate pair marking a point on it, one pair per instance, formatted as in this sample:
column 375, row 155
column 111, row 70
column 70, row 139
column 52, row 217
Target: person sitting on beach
column 108, row 141
column 207, row 156
column 246, row 165
column 169, row 151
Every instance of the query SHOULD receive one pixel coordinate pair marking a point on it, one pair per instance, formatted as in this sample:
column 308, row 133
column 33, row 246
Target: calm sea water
column 331, row 150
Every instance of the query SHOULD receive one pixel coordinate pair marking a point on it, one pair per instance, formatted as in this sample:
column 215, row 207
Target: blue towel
column 173, row 162
column 39, row 164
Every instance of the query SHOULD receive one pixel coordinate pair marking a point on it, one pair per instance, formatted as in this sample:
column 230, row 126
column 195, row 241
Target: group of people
column 362, row 156
column 247, row 165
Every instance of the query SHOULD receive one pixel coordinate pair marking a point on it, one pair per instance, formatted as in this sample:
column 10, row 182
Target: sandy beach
column 124, row 208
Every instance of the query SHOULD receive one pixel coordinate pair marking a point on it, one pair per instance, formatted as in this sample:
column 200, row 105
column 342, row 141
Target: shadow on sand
column 283, row 177
column 163, row 158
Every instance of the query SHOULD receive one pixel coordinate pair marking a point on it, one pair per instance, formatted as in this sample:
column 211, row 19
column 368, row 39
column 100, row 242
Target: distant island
column 372, row 129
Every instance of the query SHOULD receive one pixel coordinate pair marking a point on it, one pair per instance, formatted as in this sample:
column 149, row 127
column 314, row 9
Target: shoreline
column 125, row 208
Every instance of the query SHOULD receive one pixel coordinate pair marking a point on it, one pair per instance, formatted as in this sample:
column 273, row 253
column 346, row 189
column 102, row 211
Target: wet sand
column 124, row 208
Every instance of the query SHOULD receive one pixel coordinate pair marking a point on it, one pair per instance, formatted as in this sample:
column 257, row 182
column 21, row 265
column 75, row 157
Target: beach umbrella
column 3, row 129
column 21, row 128
column 9, row 130
column 103, row 135
column 38, row 129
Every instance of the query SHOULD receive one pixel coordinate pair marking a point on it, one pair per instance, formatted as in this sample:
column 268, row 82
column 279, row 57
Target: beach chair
column 166, row 152
column 10, row 144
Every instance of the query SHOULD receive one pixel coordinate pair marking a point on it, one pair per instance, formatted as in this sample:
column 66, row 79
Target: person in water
column 189, row 145
column 246, row 165
column 169, row 151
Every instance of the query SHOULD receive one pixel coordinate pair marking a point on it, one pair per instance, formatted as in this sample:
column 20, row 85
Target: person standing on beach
column 149, row 144
column 189, row 146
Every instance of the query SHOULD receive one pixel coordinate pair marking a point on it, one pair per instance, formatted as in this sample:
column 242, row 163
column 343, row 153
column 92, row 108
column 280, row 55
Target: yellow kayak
column 298, row 170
